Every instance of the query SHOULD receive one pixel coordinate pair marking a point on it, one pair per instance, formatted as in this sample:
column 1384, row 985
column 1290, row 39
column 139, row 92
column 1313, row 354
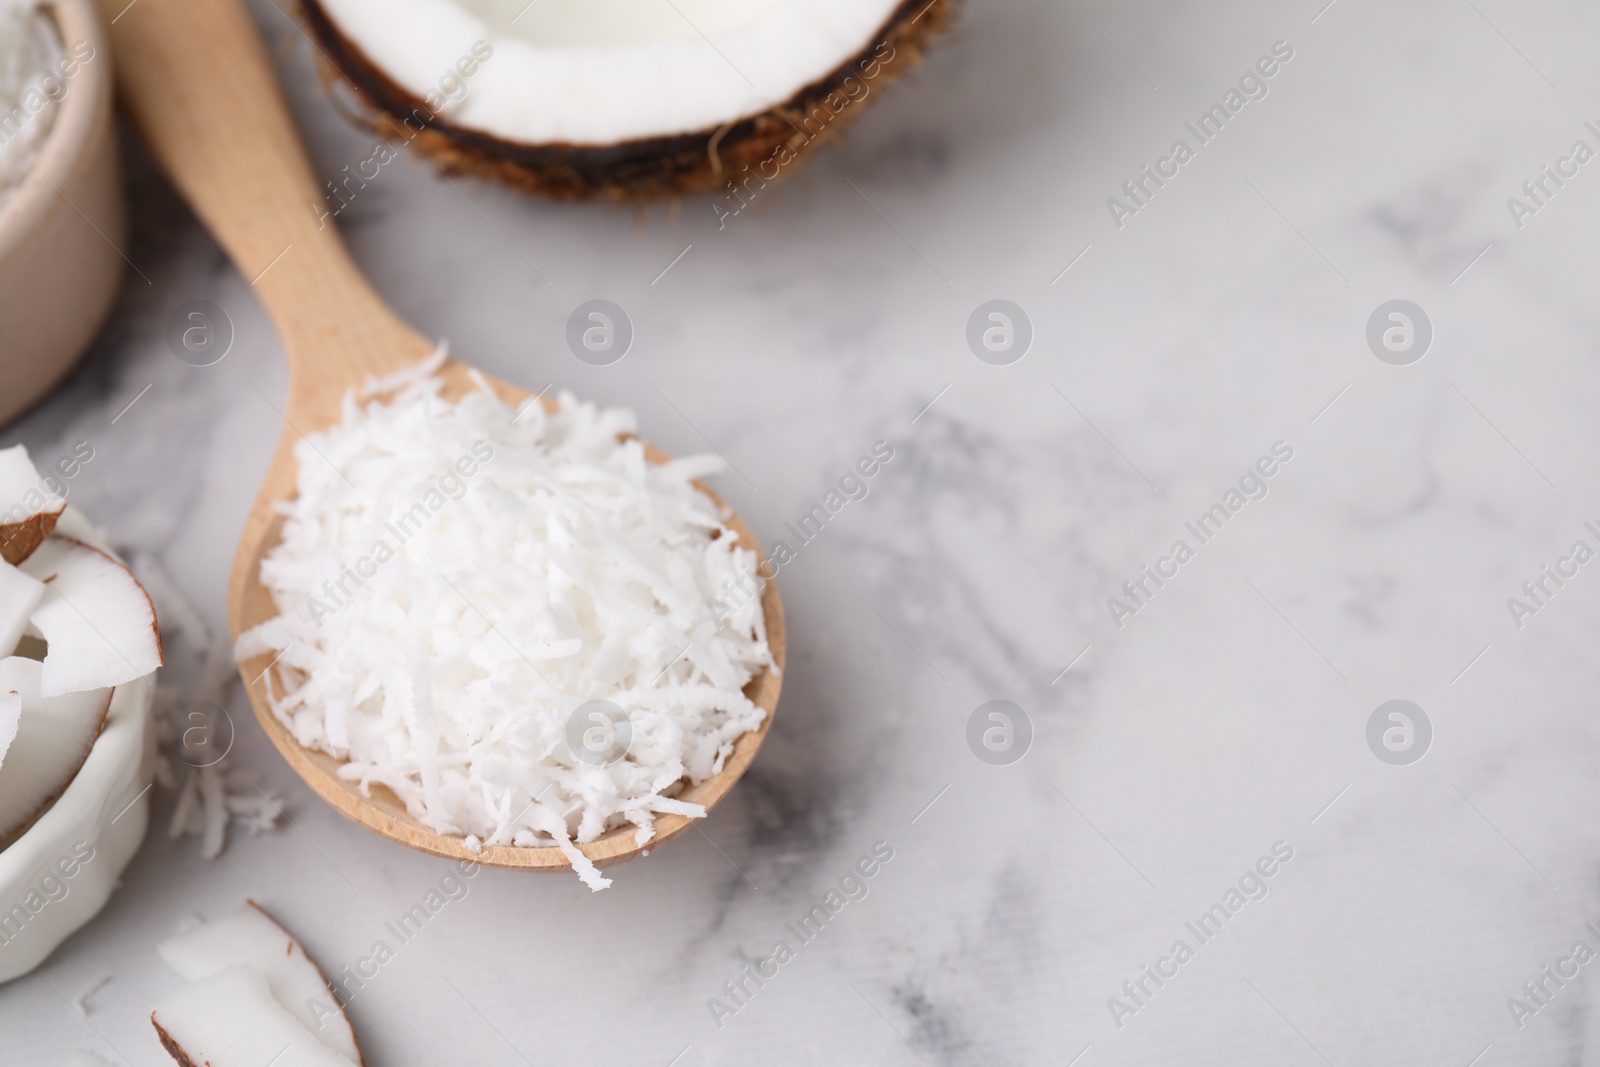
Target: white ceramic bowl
column 59, row 874
column 62, row 228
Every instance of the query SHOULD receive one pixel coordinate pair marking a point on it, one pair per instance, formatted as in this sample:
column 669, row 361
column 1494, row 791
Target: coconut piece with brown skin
column 622, row 100
column 251, row 938
column 231, row 1019
column 28, row 510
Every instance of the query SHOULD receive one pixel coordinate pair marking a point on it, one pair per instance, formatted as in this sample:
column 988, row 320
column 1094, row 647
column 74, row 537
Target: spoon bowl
column 195, row 79
column 384, row 812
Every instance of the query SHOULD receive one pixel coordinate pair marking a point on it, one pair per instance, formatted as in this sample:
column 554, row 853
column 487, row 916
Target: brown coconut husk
column 19, row 539
column 750, row 153
column 169, row 1043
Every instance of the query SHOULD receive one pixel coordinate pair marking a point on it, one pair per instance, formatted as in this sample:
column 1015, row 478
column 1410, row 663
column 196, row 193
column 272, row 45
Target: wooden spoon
column 194, row 77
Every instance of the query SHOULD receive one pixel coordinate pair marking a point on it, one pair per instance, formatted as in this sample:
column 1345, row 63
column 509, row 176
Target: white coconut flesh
column 52, row 738
column 599, row 72
column 231, row 1019
column 10, row 719
column 249, row 938
column 95, row 617
column 20, row 594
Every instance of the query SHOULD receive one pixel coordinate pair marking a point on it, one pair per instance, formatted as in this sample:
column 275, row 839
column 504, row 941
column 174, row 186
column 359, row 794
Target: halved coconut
column 19, row 595
column 618, row 99
column 53, row 738
column 97, row 620
column 231, row 1019
column 250, row 938
column 28, row 510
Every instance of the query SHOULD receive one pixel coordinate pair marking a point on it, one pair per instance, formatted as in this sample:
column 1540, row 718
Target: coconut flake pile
column 454, row 580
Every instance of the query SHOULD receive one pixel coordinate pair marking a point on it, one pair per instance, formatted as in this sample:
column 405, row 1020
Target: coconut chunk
column 10, row 718
column 231, row 1019
column 53, row 738
column 28, row 510
column 19, row 595
column 96, row 618
column 251, row 938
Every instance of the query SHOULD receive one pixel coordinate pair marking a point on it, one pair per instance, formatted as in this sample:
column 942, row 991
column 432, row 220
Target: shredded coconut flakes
column 454, row 580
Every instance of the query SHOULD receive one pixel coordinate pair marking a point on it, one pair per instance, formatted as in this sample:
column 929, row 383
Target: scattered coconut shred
column 454, row 580
column 212, row 794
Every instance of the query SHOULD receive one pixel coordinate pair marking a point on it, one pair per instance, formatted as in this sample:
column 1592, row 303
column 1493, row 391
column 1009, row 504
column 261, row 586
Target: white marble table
column 1228, row 714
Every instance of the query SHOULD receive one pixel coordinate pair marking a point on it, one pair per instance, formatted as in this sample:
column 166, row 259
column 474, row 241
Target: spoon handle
column 196, row 80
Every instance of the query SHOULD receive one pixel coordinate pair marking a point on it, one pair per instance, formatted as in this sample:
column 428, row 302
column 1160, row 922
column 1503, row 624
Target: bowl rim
column 77, row 125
